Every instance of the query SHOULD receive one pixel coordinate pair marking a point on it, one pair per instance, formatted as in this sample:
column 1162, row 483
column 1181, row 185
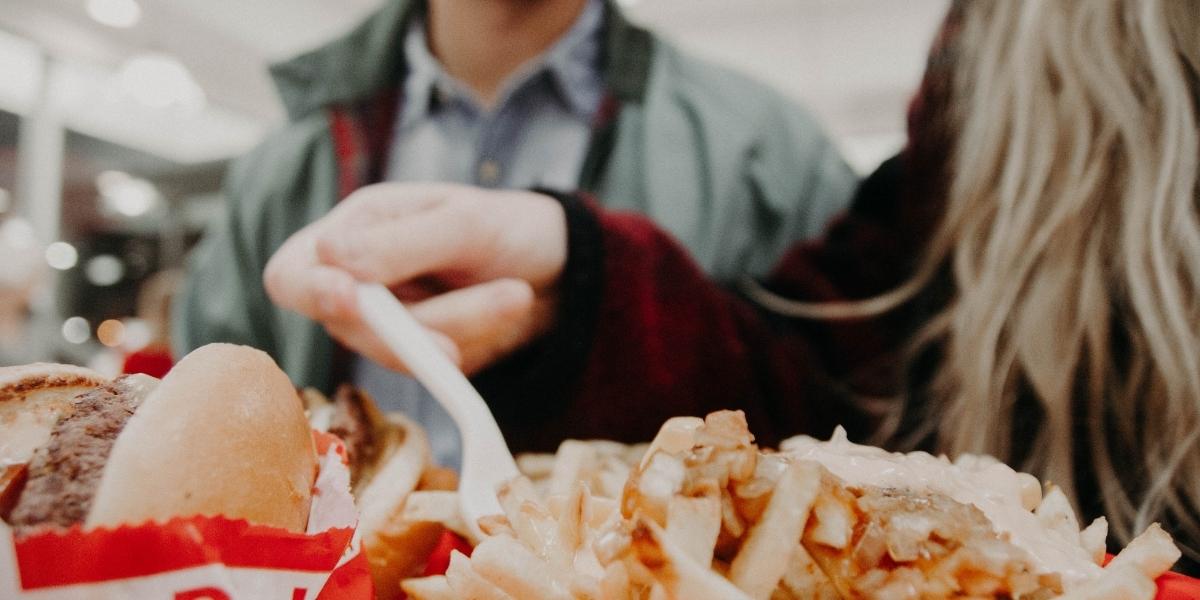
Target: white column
column 38, row 194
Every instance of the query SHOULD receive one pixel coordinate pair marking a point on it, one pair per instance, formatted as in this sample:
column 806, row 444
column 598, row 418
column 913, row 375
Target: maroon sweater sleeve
column 644, row 335
column 669, row 342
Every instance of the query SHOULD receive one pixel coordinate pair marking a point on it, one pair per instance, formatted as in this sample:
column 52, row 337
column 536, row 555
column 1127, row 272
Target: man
column 562, row 94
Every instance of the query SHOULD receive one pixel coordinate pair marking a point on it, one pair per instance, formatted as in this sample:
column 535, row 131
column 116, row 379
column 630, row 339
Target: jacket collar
column 370, row 58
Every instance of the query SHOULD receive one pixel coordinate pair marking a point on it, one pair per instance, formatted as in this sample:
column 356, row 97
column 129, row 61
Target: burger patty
column 352, row 424
column 64, row 474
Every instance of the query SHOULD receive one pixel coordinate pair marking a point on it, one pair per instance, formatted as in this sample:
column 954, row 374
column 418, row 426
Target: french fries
column 804, row 579
column 428, row 588
column 1055, row 514
column 694, row 524
column 513, row 568
column 701, row 513
column 763, row 559
column 1121, row 583
column 1093, row 539
column 434, row 507
column 466, row 583
column 1151, row 553
column 678, row 573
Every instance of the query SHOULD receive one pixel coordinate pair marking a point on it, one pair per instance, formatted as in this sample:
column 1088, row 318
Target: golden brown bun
column 223, row 434
column 32, row 398
column 396, row 549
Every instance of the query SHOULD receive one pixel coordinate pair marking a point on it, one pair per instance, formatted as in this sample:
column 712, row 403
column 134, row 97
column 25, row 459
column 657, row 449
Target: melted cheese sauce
column 1001, row 493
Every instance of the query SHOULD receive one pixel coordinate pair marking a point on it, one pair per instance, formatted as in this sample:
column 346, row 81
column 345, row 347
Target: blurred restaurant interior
column 118, row 119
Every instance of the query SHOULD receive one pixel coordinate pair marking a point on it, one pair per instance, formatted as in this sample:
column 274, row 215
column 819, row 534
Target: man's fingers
column 461, row 312
column 474, row 326
column 294, row 279
column 485, row 321
column 318, row 292
column 417, row 290
column 389, row 199
column 421, row 240
column 397, row 250
column 376, row 203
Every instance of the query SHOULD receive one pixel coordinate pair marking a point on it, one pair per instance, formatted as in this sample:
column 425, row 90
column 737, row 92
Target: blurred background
column 119, row 117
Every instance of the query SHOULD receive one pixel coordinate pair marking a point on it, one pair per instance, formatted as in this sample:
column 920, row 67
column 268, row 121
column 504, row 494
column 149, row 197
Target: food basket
column 198, row 557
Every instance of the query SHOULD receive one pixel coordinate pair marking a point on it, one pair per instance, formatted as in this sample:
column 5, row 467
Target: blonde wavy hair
column 1072, row 233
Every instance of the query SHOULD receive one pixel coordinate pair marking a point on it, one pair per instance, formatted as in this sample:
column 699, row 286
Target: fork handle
column 408, row 340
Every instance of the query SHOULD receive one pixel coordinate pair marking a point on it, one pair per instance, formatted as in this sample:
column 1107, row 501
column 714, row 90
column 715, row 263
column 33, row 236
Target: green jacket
column 732, row 169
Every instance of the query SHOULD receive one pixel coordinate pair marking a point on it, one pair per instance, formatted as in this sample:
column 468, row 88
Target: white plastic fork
column 486, row 460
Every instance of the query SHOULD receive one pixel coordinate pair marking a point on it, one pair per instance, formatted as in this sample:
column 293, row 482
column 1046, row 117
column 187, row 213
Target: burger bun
column 224, row 433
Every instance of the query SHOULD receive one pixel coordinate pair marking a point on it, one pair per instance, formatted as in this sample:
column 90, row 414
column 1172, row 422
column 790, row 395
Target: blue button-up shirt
column 535, row 134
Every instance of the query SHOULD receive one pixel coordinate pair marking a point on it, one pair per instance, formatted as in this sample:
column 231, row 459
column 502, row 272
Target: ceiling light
column 125, row 194
column 115, row 13
column 104, row 270
column 159, row 81
column 61, row 255
column 76, row 330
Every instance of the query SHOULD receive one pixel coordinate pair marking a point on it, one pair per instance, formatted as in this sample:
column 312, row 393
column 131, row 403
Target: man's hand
column 478, row 268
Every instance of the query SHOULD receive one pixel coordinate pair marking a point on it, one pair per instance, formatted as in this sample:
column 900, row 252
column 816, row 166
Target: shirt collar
column 572, row 64
column 424, row 72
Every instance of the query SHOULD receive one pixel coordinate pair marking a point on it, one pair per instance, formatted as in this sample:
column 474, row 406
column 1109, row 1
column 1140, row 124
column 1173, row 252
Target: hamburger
column 222, row 434
column 389, row 458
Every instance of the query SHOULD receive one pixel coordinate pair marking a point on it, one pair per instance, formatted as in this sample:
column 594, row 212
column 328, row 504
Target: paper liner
column 201, row 556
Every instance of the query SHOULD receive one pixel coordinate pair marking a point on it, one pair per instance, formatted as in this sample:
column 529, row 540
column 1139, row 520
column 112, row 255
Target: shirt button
column 489, row 172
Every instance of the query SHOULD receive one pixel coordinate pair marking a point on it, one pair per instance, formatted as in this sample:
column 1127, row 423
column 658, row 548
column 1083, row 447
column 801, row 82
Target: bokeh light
column 125, row 194
column 111, row 333
column 104, row 270
column 76, row 330
column 61, row 255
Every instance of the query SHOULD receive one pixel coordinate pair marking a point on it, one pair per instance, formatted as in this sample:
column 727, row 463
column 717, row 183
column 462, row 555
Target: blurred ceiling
column 855, row 62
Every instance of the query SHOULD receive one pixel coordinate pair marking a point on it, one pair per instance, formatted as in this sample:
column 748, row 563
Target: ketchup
column 12, row 481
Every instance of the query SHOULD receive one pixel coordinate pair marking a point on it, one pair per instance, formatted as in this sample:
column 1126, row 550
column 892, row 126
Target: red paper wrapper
column 1174, row 586
column 439, row 559
column 191, row 558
